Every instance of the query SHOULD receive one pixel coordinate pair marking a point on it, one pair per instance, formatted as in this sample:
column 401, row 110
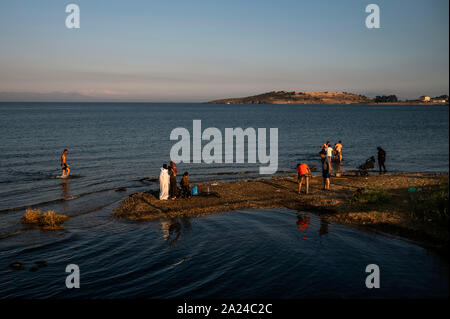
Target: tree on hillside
column 386, row 98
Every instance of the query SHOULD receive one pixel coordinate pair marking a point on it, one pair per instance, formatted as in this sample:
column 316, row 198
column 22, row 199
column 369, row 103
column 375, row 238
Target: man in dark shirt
column 381, row 159
column 326, row 173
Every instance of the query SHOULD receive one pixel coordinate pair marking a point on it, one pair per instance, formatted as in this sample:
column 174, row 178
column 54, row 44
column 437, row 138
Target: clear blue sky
column 199, row 50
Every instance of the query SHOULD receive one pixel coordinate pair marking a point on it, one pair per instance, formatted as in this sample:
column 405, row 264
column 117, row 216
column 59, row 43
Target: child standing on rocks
column 185, row 188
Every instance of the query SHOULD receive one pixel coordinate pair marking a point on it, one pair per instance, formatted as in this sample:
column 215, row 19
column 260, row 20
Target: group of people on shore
column 167, row 179
column 327, row 155
column 168, row 188
column 168, row 174
column 331, row 153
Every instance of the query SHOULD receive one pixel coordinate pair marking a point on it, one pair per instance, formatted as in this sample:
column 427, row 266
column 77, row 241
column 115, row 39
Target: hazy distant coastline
column 274, row 97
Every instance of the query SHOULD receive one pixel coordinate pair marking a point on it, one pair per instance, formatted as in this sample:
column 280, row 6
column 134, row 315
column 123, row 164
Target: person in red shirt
column 303, row 173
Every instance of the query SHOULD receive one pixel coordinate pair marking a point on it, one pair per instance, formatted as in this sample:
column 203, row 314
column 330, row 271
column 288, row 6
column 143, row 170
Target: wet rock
column 17, row 266
column 148, row 179
column 121, row 189
column 40, row 264
column 210, row 194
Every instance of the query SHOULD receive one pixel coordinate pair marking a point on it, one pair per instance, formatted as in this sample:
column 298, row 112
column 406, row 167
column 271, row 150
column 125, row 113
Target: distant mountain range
column 64, row 97
column 43, row 97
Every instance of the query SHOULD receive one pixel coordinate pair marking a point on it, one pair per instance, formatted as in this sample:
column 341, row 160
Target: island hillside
column 293, row 97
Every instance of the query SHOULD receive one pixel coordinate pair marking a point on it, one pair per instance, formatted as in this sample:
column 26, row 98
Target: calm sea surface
column 115, row 145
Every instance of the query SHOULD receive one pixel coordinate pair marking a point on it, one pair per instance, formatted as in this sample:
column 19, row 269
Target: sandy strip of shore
column 392, row 216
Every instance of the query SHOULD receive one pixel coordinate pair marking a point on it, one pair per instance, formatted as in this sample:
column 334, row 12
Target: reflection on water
column 216, row 256
column 172, row 228
column 65, row 189
column 323, row 226
column 303, row 223
column 66, row 195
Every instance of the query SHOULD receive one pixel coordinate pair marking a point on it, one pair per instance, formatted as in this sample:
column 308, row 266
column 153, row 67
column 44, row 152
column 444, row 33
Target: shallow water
column 241, row 254
column 123, row 145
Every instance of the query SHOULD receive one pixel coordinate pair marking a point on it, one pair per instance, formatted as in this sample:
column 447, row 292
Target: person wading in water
column 64, row 165
column 338, row 150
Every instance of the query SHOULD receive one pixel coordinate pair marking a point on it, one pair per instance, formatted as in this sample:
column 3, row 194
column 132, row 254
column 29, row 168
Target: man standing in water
column 381, row 159
column 329, row 151
column 338, row 150
column 323, row 149
column 64, row 165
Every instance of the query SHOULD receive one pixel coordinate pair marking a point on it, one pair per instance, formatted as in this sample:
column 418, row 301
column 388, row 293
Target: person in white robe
column 164, row 181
